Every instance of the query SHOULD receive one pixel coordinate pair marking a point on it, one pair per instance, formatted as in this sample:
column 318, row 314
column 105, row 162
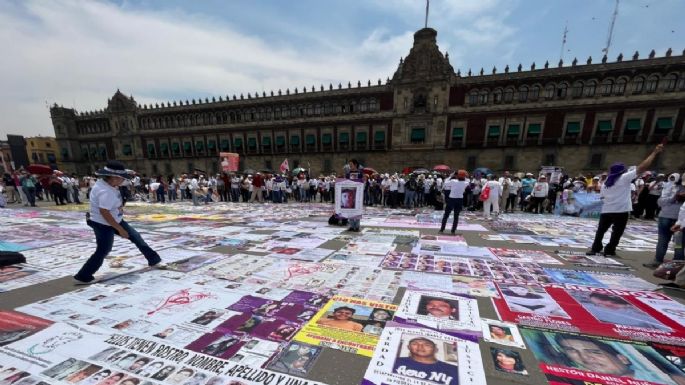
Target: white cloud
column 77, row 53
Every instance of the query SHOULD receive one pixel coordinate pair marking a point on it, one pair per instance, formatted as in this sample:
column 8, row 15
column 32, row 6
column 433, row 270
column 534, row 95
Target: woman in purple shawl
column 617, row 203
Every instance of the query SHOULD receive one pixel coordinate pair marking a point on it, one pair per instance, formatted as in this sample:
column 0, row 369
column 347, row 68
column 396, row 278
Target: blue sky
column 77, row 53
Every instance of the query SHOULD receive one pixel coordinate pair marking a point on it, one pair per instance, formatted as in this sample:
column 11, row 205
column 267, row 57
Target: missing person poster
column 229, row 161
column 450, row 314
column 417, row 356
column 643, row 316
column 348, row 324
column 63, row 354
column 349, row 199
column 502, row 333
column 15, row 326
column 570, row 358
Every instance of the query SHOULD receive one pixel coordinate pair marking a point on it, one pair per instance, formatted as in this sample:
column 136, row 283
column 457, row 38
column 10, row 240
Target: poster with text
column 418, row 356
column 348, row 324
column 229, row 161
column 349, row 199
column 450, row 314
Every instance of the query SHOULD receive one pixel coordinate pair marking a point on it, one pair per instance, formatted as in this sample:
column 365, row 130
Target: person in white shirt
column 514, row 188
column 491, row 205
column 393, row 186
column 505, row 181
column 106, row 218
column 194, row 187
column 616, row 203
column 455, row 201
column 401, row 190
column 235, row 188
column 539, row 194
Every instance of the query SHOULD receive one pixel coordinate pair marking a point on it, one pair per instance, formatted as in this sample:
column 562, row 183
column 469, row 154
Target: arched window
column 473, row 98
column 590, row 88
column 523, row 94
column 562, row 91
column 508, row 95
column 535, row 92
column 652, row 83
column 577, row 90
column 620, row 86
column 317, row 109
column 670, row 82
column 549, row 92
column 483, row 98
column 606, row 87
column 681, row 83
column 638, row 84
column 373, row 105
column 277, row 113
column 497, row 96
column 364, row 106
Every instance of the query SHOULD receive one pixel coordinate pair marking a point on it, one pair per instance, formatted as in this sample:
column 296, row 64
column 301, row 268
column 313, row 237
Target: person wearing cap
column 616, row 203
column 106, row 218
column 455, row 201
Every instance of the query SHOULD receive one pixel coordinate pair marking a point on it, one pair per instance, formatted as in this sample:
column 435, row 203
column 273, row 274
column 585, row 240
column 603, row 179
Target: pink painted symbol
column 182, row 298
column 302, row 269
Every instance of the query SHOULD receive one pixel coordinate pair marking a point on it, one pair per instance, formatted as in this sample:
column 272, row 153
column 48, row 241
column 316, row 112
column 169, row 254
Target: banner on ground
column 229, row 161
column 417, row 356
column 348, row 324
column 643, row 316
column 451, row 314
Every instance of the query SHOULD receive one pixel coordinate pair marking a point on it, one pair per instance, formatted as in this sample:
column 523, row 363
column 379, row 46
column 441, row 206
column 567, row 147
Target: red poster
column 229, row 161
column 639, row 316
column 15, row 326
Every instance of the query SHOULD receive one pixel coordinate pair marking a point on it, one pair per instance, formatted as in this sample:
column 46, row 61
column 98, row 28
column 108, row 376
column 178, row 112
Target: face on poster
column 441, row 311
column 618, row 360
column 508, row 361
column 296, row 358
column 502, row 333
column 349, row 197
column 531, row 299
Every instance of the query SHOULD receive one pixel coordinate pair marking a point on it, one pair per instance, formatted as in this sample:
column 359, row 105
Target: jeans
column 30, row 195
column 617, row 222
column 665, row 235
column 104, row 236
column 523, row 203
column 511, row 201
column 196, row 197
column 409, row 198
column 235, row 194
column 453, row 204
column 161, row 195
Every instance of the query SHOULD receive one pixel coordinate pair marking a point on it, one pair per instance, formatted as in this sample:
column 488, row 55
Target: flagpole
column 427, row 4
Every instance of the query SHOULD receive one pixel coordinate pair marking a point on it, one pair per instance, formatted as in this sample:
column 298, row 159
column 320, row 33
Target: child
column 106, row 219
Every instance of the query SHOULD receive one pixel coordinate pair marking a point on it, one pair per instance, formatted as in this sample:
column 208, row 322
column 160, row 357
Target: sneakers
column 160, row 265
column 78, row 282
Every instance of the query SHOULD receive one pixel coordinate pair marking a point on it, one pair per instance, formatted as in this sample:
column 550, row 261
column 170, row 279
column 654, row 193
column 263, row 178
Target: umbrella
column 40, row 169
column 369, row 171
column 407, row 170
column 249, row 171
column 421, row 171
column 442, row 168
column 299, row 170
column 266, row 171
column 482, row 171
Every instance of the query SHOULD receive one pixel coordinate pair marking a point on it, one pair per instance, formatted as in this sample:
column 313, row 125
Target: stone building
column 43, row 150
column 581, row 116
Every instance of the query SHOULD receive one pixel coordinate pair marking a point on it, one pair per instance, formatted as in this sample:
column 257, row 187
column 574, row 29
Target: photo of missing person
column 376, row 321
column 441, row 308
column 163, row 373
column 348, row 198
column 531, row 299
column 507, row 361
column 64, row 369
column 206, row 318
column 342, row 315
column 616, row 358
column 221, row 345
column 500, row 333
column 615, row 310
column 427, row 359
column 296, row 358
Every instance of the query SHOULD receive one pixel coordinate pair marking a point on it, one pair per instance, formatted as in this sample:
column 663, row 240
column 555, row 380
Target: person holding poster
column 350, row 195
column 106, row 218
column 423, row 364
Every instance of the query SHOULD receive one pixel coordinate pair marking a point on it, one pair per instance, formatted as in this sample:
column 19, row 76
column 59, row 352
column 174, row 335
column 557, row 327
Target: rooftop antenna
column 611, row 29
column 563, row 42
column 427, row 5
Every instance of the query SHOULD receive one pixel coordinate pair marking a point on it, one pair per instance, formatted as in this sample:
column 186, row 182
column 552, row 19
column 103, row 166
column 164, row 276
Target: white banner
column 349, row 199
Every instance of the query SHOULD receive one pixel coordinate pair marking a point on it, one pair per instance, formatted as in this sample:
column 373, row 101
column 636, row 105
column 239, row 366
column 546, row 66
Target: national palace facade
column 579, row 115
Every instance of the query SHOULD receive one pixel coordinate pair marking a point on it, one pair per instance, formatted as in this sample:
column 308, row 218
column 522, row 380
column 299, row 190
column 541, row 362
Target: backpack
column 485, row 194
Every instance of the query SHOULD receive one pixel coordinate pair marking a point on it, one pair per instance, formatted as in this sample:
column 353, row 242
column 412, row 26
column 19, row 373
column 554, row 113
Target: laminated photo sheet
column 368, row 248
column 614, row 362
column 367, row 260
column 15, row 326
column 449, row 248
column 454, row 239
column 455, row 361
column 524, row 256
column 455, row 284
column 451, row 314
column 579, row 258
column 349, row 324
column 295, row 358
column 502, row 333
column 237, row 267
column 23, row 275
column 610, row 313
column 395, row 232
column 608, row 280
column 62, row 354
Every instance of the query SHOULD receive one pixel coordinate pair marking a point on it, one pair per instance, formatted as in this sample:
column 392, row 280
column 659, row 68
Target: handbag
column 668, row 269
column 485, row 194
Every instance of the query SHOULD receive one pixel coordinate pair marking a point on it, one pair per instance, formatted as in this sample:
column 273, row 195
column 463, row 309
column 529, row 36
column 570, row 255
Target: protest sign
column 450, row 314
column 349, row 198
column 229, row 161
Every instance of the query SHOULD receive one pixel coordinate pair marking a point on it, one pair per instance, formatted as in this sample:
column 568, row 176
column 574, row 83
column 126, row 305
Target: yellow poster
column 348, row 324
